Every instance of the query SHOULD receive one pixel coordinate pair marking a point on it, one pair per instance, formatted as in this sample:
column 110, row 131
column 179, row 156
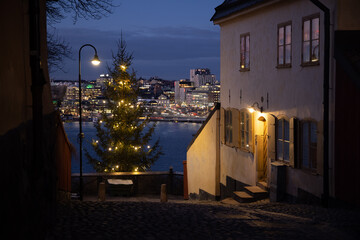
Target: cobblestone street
column 177, row 219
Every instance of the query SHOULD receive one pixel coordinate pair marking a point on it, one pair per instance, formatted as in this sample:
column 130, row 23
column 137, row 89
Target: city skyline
column 167, row 49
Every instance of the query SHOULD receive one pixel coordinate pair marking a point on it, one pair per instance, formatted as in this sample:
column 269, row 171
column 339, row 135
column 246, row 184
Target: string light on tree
column 123, row 133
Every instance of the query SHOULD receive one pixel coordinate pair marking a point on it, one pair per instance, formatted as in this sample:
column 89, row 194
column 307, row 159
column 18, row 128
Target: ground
column 147, row 218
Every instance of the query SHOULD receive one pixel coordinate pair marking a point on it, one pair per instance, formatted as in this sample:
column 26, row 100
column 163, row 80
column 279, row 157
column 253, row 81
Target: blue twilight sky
column 167, row 38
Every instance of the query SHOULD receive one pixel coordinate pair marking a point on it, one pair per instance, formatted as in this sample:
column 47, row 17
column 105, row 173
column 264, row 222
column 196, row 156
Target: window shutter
column 251, row 131
column 271, row 137
column 235, row 127
column 320, row 149
column 222, row 125
column 293, row 125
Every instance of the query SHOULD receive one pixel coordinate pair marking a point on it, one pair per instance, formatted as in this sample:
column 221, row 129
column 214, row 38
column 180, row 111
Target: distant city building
column 202, row 76
column 181, row 88
column 103, row 79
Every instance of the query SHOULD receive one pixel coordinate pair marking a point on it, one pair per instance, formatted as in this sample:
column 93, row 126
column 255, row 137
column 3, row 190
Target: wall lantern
column 253, row 109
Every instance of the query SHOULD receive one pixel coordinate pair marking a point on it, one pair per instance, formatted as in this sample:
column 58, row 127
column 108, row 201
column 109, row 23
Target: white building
column 202, row 76
column 270, row 128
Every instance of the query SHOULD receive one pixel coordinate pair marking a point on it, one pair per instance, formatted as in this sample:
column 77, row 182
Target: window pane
column 286, row 151
column 279, row 150
column 242, row 44
column 315, row 28
column 247, row 43
column 305, row 145
column 286, row 130
column 242, row 139
column 288, row 35
column 306, row 52
column 242, row 121
column 315, row 50
column 313, row 130
column 281, row 55
column 246, row 139
column 247, row 60
column 279, row 130
column 281, row 36
column 247, row 123
column 307, row 30
column 288, row 54
column 242, row 60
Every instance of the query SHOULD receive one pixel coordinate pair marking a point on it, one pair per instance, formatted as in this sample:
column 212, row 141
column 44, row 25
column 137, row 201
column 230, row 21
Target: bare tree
column 56, row 10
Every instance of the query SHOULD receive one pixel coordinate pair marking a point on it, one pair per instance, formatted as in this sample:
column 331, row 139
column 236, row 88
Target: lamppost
column 95, row 61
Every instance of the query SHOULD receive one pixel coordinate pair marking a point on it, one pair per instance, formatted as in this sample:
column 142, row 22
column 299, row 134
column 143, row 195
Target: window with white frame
column 245, row 52
column 282, row 140
column 311, row 40
column 309, row 145
column 245, row 130
column 284, row 45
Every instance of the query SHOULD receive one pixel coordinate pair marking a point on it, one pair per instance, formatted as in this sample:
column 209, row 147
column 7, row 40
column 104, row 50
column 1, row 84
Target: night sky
column 167, row 38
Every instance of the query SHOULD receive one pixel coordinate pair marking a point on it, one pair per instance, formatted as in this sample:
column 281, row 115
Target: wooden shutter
column 293, row 125
column 320, row 149
column 251, row 132
column 271, row 137
column 222, row 125
column 235, row 127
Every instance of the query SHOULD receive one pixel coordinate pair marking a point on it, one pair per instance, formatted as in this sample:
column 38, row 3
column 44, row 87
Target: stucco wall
column 202, row 159
column 291, row 92
column 15, row 75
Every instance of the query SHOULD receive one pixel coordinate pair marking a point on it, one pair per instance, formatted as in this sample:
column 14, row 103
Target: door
column 261, row 152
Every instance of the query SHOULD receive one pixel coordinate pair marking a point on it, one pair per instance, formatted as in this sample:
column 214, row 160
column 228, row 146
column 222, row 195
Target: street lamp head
column 95, row 61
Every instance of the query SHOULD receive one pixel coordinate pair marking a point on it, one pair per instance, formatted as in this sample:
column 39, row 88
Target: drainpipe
column 322, row 7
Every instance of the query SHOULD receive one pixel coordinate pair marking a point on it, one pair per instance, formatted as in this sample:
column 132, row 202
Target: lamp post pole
column 95, row 61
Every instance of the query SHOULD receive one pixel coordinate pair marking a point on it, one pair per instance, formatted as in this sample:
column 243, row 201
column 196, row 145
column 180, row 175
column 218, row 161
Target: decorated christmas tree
column 123, row 132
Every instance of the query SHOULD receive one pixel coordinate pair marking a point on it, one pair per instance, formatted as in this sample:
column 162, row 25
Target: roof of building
column 229, row 7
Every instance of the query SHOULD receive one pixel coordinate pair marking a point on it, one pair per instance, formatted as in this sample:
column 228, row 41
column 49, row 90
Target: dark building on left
column 34, row 150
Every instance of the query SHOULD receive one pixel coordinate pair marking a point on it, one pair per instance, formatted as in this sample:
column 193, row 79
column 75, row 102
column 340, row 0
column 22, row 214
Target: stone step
column 257, row 192
column 230, row 201
column 263, row 185
column 243, row 197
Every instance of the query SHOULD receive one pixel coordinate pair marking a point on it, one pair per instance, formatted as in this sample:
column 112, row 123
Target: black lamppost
column 95, row 61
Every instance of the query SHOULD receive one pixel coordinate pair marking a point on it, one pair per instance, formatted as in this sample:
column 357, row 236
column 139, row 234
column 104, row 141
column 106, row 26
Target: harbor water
column 174, row 139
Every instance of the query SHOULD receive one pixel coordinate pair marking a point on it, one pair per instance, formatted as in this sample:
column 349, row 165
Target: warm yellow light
column 148, row 146
column 96, row 60
column 251, row 109
column 117, row 166
column 136, row 169
column 110, row 149
column 123, row 67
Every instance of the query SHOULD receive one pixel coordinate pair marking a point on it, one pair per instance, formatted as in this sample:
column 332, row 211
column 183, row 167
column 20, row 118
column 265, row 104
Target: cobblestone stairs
column 252, row 193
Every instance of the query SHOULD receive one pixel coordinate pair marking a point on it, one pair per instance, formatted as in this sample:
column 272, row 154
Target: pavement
column 146, row 218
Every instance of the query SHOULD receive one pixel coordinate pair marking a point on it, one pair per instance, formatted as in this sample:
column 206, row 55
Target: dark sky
column 167, row 38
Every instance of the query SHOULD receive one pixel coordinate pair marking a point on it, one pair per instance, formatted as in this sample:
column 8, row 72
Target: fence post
column 163, row 194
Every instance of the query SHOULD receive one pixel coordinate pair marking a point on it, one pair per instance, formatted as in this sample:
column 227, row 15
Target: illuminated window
column 311, row 40
column 308, row 145
column 228, row 127
column 245, row 52
column 282, row 140
column 284, row 45
column 245, row 130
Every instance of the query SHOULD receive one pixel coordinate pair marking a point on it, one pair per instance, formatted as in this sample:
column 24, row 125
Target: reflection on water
column 174, row 139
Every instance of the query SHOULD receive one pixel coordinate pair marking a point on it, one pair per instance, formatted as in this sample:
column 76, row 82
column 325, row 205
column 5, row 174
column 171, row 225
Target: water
column 174, row 139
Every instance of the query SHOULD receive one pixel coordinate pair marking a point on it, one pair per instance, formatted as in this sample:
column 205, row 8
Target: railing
column 144, row 182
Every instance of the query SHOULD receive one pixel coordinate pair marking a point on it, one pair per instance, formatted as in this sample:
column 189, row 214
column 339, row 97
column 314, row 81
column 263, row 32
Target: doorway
column 261, row 150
